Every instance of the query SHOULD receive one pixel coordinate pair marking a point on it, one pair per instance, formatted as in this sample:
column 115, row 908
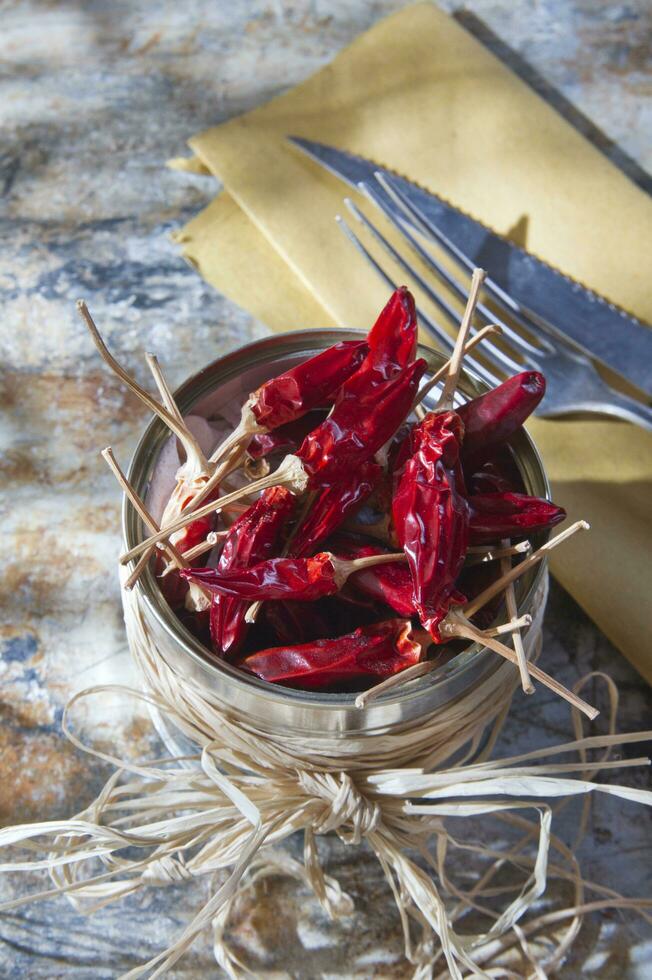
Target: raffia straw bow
column 244, row 791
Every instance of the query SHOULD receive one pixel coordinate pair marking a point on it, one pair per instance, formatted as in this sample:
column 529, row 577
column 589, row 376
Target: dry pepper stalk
column 477, row 338
column 369, row 652
column 299, row 579
column 251, row 539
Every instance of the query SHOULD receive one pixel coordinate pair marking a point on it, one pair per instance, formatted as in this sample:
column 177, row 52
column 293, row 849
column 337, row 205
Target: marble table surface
column 94, row 97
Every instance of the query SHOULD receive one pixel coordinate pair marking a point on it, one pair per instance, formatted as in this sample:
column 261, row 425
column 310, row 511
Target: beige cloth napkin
column 418, row 94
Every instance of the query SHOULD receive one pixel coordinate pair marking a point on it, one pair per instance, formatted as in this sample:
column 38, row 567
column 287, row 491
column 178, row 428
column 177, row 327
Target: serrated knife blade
column 600, row 329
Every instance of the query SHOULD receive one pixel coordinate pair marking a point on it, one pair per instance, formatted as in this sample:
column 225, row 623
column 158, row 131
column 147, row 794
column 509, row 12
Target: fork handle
column 623, row 407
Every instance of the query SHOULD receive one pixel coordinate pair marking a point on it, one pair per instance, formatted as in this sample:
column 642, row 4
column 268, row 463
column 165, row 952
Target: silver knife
column 600, row 329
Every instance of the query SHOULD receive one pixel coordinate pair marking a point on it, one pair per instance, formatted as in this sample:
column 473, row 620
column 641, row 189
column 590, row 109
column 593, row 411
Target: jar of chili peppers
column 216, row 394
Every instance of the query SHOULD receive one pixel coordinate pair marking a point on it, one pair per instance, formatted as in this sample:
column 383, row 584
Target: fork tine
column 495, row 354
column 427, row 321
column 396, row 216
column 503, row 299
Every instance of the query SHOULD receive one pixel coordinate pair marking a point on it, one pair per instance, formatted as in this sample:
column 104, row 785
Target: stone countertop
column 94, row 97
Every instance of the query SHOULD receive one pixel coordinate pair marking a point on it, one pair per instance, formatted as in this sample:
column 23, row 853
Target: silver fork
column 572, row 382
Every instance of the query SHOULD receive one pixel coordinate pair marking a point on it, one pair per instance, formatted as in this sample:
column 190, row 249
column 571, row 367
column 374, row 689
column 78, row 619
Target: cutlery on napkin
column 423, row 97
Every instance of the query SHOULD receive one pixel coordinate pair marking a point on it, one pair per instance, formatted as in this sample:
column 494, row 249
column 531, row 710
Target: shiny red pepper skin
column 332, row 506
column 493, row 418
column 431, row 516
column 367, row 412
column 251, row 539
column 308, row 385
column 391, row 584
column 300, row 579
column 393, row 338
column 508, row 515
column 369, row 653
column 287, row 437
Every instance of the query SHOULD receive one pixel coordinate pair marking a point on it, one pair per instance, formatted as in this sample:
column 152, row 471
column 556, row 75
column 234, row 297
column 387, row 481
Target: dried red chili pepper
column 370, row 652
column 391, row 583
column 290, row 395
column 306, row 386
column 367, row 412
column 393, row 338
column 251, row 539
column 301, row 579
column 506, row 515
column 332, row 506
column 286, row 437
column 431, row 517
column 492, row 418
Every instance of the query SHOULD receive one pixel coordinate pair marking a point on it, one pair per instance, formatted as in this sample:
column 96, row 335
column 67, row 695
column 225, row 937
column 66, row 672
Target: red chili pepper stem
column 457, row 625
column 397, row 680
column 199, row 597
column 512, row 626
column 514, row 573
column 230, row 463
column 172, row 552
column 447, row 397
column 164, row 389
column 139, row 568
column 344, row 567
column 200, row 549
column 477, row 338
column 517, row 639
column 478, row 554
column 195, row 457
column 290, row 473
column 244, row 431
column 254, row 469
